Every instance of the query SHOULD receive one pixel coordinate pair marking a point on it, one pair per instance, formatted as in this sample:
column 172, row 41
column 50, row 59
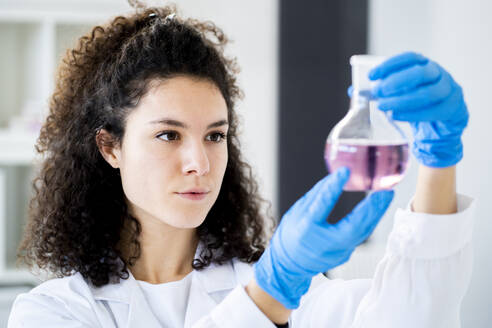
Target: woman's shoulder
column 51, row 301
column 63, row 287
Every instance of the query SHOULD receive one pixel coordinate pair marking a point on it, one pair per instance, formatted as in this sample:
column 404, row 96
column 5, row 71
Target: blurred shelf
column 66, row 11
column 34, row 36
column 35, row 16
column 17, row 148
column 19, row 277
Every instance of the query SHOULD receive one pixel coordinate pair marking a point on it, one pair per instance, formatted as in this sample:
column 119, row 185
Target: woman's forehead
column 184, row 100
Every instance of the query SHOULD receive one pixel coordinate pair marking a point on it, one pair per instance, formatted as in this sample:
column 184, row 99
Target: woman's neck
column 166, row 253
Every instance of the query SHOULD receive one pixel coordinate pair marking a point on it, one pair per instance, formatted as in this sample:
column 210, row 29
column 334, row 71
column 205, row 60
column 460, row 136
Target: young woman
column 148, row 216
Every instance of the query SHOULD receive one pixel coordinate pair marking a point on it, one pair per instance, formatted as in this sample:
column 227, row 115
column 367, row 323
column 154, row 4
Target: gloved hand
column 421, row 92
column 305, row 244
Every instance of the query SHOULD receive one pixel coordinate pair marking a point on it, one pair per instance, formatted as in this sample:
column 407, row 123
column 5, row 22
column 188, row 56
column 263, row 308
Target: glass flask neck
column 361, row 66
column 360, row 100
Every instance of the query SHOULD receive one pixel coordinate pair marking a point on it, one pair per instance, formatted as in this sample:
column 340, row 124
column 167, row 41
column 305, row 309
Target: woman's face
column 172, row 144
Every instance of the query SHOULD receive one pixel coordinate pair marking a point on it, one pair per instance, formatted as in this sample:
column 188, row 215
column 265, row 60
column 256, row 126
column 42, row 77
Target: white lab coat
column 420, row 282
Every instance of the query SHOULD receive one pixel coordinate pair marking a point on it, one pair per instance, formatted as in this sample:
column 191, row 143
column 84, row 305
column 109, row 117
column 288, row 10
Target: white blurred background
column 33, row 34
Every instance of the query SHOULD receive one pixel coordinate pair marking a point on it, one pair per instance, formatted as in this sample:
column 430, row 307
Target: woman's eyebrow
column 168, row 121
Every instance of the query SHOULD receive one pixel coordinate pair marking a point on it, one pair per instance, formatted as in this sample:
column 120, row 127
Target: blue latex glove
column 421, row 92
column 305, row 244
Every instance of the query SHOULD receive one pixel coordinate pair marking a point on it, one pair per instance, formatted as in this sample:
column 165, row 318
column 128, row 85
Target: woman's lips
column 192, row 196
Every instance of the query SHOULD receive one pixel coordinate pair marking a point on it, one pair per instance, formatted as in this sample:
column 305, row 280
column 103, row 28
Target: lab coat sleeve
column 37, row 310
column 420, row 281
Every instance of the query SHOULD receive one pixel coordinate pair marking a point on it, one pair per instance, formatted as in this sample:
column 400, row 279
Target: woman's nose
column 196, row 160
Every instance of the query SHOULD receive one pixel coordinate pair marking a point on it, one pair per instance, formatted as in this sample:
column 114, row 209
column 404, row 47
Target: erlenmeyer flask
column 367, row 140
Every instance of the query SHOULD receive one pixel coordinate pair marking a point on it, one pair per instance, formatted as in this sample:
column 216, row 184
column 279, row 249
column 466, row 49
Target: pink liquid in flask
column 372, row 166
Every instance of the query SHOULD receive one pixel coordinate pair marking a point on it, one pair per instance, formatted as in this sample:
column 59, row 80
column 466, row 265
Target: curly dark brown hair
column 78, row 209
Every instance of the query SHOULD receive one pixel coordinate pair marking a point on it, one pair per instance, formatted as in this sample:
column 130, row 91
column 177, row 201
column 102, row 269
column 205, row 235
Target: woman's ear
column 108, row 148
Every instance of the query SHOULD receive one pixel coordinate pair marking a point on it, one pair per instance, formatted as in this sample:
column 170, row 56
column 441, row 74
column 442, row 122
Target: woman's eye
column 172, row 134
column 221, row 136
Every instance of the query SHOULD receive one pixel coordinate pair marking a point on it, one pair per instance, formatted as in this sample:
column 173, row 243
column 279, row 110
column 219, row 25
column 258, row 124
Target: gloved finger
column 323, row 197
column 325, row 261
column 424, row 96
column 443, row 111
column 364, row 93
column 301, row 203
column 396, row 63
column 361, row 221
column 407, row 80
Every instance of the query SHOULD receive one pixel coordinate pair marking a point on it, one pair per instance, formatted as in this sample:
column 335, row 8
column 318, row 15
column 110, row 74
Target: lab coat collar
column 212, row 279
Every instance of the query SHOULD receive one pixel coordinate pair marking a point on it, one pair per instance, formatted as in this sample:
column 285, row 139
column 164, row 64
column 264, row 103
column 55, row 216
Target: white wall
column 457, row 35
